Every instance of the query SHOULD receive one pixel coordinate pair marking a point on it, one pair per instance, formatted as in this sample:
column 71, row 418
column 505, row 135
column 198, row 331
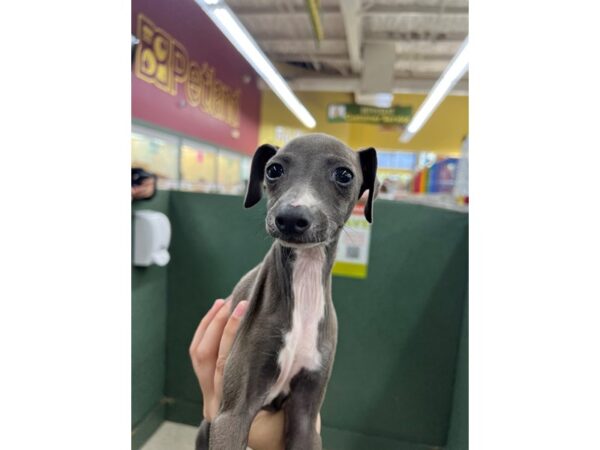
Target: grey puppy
column 283, row 352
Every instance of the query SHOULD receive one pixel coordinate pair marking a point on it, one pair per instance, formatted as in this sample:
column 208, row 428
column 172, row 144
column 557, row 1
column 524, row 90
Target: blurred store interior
column 212, row 80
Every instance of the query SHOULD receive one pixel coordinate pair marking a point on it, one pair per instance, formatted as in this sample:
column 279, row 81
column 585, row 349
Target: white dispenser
column 151, row 238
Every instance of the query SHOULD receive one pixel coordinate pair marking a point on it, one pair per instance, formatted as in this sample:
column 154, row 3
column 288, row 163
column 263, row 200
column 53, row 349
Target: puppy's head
column 312, row 185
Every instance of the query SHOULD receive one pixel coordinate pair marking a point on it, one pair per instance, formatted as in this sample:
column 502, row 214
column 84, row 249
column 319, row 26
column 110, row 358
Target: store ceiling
column 426, row 35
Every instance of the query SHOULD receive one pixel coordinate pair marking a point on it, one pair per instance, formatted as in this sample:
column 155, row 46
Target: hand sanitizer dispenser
column 151, row 238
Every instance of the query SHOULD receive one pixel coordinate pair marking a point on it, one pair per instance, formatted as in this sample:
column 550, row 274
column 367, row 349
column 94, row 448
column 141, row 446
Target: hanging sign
column 353, row 113
column 353, row 247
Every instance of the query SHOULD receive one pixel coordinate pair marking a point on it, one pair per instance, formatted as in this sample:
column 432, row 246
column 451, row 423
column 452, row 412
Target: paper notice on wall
column 353, row 247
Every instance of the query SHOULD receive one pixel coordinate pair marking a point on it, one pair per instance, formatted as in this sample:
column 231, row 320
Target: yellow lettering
column 206, row 81
column 193, row 87
column 164, row 62
column 148, row 63
column 180, row 62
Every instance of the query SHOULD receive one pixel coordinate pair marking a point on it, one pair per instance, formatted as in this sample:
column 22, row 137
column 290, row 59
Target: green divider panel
column 399, row 329
column 215, row 241
column 458, row 434
column 344, row 439
column 145, row 428
column 399, row 333
column 148, row 337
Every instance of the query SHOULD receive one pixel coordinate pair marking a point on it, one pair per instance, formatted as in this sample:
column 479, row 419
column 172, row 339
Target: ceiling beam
column 267, row 10
column 331, row 10
column 380, row 36
column 305, row 45
column 307, row 56
column 352, row 84
column 353, row 28
column 416, row 35
column 402, row 66
column 414, row 10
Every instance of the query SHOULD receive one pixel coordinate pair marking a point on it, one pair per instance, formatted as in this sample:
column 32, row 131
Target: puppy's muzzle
column 293, row 222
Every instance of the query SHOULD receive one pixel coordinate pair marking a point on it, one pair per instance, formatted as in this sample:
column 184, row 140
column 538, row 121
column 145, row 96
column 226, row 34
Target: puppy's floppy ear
column 368, row 164
column 257, row 173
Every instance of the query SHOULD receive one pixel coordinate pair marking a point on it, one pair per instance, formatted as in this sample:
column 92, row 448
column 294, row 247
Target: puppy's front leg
column 301, row 411
column 240, row 404
column 229, row 431
column 203, row 435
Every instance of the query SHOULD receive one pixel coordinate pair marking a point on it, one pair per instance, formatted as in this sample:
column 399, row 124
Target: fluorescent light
column 454, row 72
column 230, row 26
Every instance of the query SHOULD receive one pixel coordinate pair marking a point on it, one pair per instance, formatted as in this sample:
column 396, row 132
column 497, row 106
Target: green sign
column 351, row 112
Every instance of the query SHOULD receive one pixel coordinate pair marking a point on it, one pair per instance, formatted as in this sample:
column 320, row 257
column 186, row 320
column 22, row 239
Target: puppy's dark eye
column 274, row 171
column 343, row 175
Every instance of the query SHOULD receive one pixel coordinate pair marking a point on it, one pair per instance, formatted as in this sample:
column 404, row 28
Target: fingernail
column 218, row 301
column 240, row 309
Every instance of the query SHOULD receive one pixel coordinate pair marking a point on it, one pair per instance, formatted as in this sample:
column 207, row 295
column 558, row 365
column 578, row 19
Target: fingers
column 231, row 329
column 211, row 338
column 203, row 352
column 227, row 339
column 208, row 349
column 204, row 325
column 210, row 346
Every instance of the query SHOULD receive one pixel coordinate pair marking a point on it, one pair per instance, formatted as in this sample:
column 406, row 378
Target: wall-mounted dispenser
column 151, row 238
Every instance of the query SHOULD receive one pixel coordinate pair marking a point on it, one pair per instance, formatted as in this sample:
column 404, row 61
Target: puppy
column 283, row 353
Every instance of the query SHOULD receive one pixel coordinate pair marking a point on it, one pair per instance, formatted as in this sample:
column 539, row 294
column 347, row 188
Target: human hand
column 144, row 190
column 208, row 351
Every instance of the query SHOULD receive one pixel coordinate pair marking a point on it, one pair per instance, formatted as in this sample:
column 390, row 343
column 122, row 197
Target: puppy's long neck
column 309, row 282
column 303, row 269
column 309, row 301
column 290, row 260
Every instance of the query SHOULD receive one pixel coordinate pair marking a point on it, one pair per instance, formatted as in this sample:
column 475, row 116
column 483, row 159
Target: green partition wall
column 148, row 338
column 215, row 242
column 458, row 433
column 393, row 384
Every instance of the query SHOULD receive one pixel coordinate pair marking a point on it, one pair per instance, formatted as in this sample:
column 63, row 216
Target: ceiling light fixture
column 453, row 73
column 231, row 27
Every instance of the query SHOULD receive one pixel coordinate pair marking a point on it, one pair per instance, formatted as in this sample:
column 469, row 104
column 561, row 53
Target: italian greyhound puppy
column 283, row 352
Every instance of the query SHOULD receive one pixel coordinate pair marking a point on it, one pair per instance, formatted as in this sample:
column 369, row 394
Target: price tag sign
column 353, row 247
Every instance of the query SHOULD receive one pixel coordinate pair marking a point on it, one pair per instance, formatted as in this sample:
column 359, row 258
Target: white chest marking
column 300, row 342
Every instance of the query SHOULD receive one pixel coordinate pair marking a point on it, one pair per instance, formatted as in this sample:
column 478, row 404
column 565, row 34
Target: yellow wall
column 443, row 132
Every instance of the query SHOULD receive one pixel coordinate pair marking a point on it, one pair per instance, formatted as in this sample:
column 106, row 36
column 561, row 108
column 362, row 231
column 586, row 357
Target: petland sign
column 162, row 61
column 189, row 79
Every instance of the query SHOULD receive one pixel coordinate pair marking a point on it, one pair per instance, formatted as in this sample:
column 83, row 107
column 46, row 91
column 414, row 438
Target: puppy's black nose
column 292, row 220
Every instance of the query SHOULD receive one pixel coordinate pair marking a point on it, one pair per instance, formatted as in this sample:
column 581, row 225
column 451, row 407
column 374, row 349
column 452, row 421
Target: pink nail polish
column 240, row 309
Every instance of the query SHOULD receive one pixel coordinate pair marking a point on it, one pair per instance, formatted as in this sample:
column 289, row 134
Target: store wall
column 187, row 77
column 148, row 337
column 443, row 133
column 215, row 242
column 458, row 434
column 393, row 380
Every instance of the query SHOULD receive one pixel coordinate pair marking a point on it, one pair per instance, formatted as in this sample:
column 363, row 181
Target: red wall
column 185, row 22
